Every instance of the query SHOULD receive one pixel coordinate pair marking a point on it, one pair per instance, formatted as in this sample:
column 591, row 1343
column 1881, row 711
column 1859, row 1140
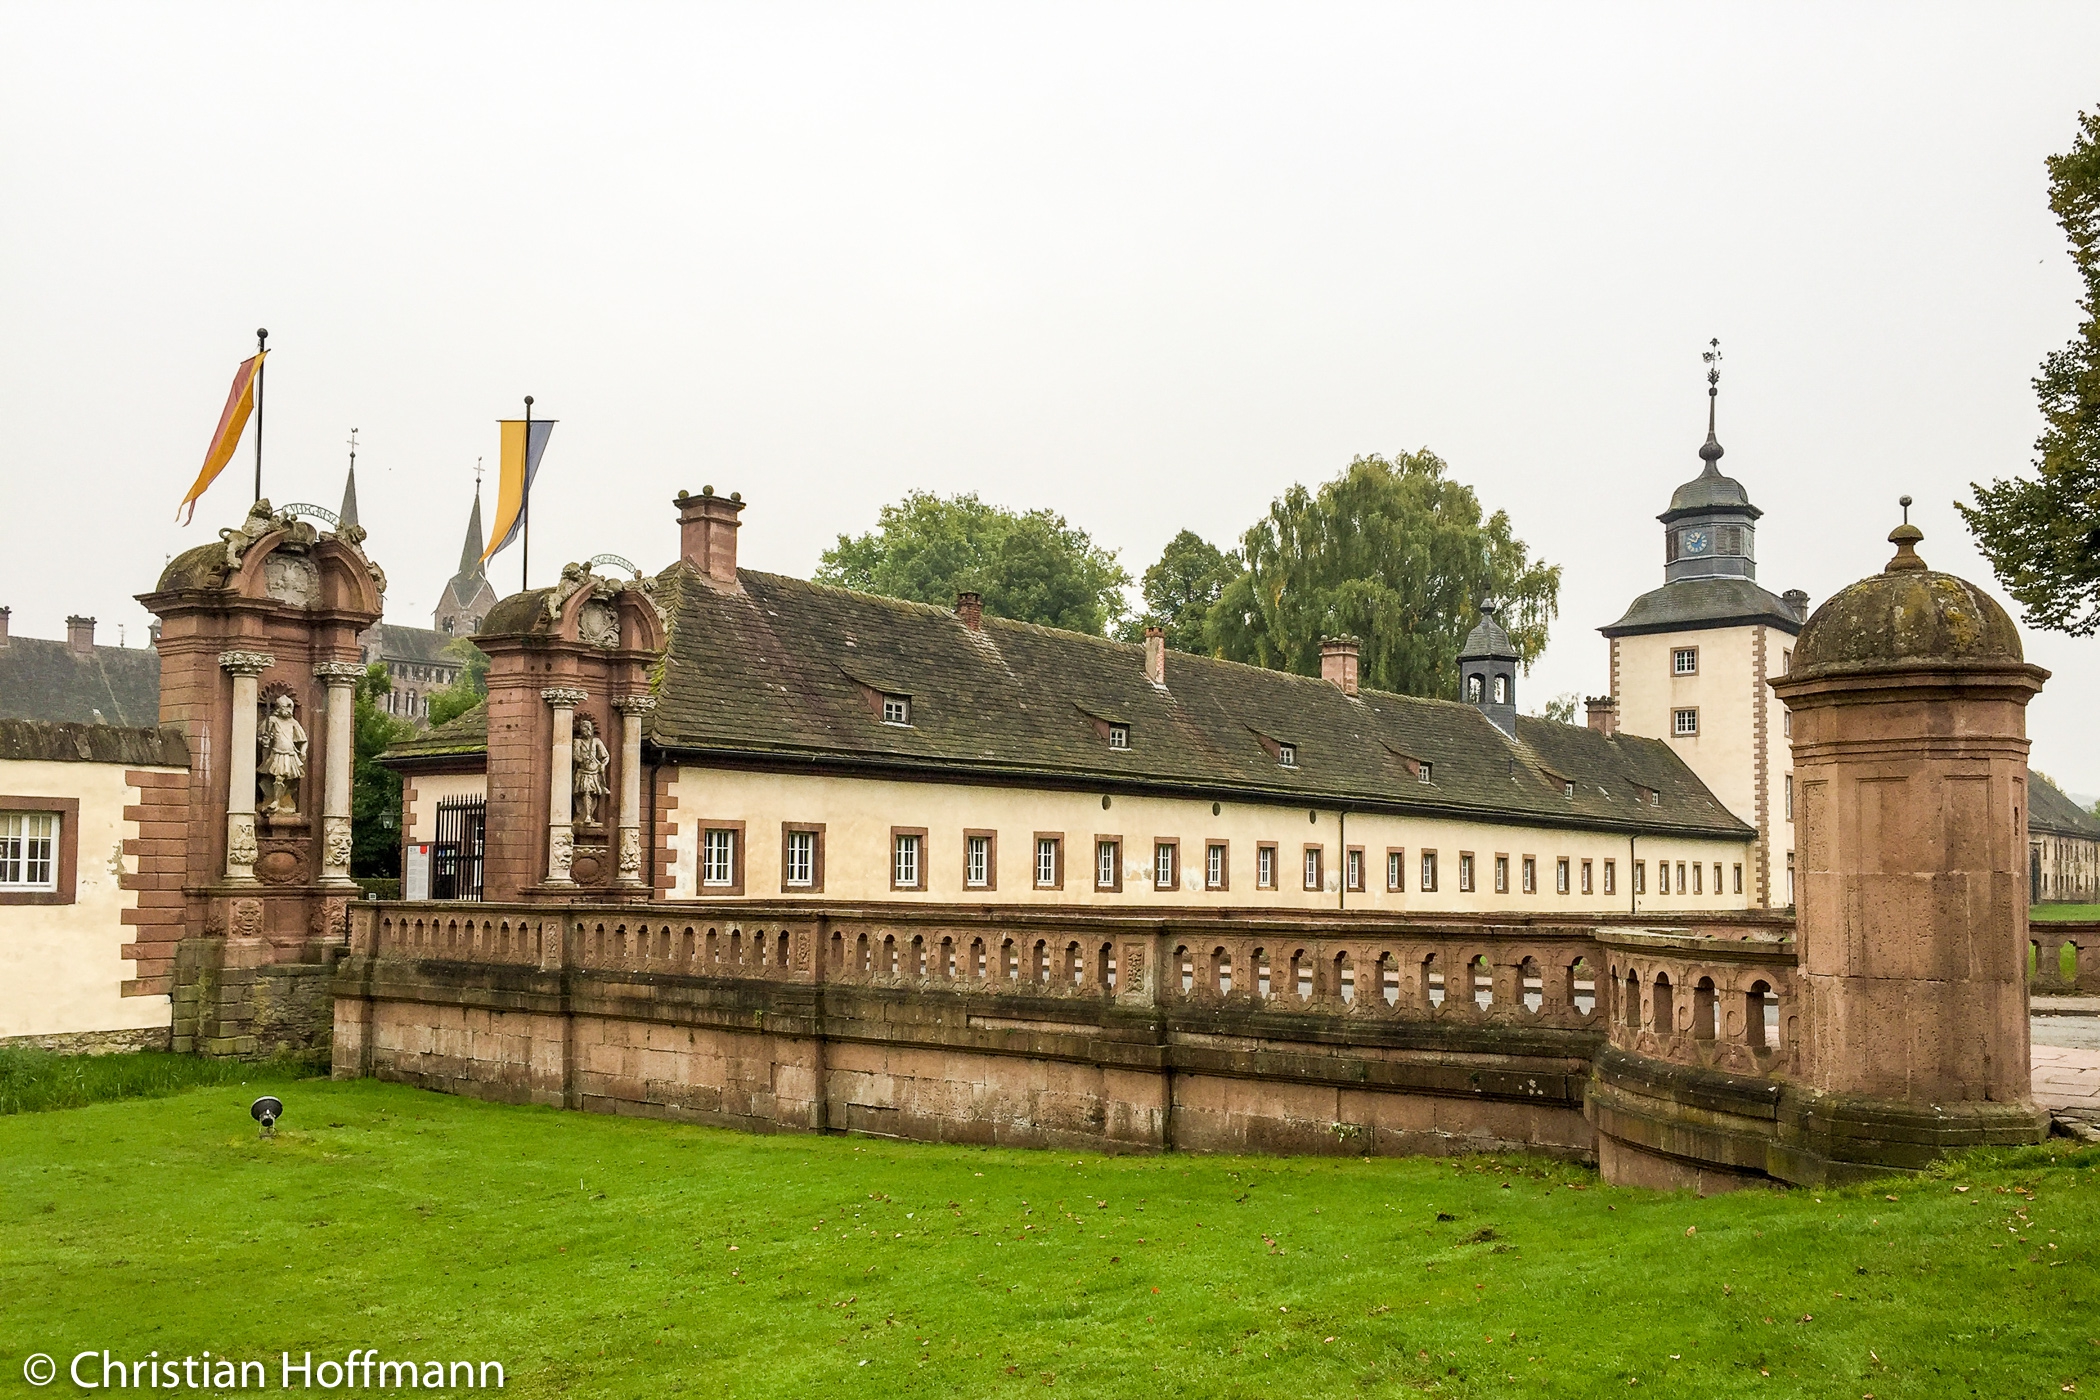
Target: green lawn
column 604, row 1256
column 2046, row 912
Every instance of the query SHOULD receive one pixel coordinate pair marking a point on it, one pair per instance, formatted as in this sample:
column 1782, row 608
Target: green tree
column 1561, row 708
column 1032, row 566
column 2042, row 534
column 1181, row 589
column 1394, row 552
column 468, row 689
column 375, row 792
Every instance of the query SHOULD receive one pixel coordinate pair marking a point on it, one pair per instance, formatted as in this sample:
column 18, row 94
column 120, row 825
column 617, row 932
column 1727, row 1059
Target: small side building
column 2063, row 844
column 85, row 811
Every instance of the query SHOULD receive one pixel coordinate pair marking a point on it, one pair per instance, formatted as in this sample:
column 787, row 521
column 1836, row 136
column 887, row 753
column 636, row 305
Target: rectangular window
column 1717, row 877
column 1786, row 661
column 1611, row 877
column 1698, row 879
column 1739, row 879
column 1119, row 736
column 1684, row 661
column 896, row 709
column 1465, row 872
column 1166, row 866
column 1265, row 867
column 1501, row 874
column 1790, row 875
column 1560, row 875
column 29, row 845
column 1353, row 868
column 718, row 858
column 1422, row 775
column 907, row 859
column 1790, row 797
column 1315, row 871
column 1216, row 873
column 1049, row 861
column 1588, row 885
column 1680, row 877
column 1640, row 877
column 1428, row 884
column 1287, row 755
column 801, row 859
column 1108, row 863
column 1396, row 870
column 1531, row 875
column 977, row 860
column 1684, row 722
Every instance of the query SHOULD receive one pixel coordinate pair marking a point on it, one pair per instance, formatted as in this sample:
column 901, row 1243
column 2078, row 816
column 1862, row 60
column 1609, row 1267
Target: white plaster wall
column 858, row 814
column 62, row 967
column 432, row 788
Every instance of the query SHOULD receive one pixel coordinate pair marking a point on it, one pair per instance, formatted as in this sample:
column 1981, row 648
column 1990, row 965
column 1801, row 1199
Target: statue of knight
column 591, row 759
column 280, row 758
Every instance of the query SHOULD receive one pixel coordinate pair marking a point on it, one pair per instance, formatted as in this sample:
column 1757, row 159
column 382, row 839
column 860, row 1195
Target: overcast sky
column 1144, row 265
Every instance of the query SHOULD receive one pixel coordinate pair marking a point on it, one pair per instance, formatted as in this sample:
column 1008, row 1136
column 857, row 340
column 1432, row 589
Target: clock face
column 1698, row 541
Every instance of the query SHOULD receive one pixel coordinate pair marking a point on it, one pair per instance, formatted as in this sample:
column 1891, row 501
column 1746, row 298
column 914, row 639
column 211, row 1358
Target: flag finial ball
column 707, row 490
column 528, row 401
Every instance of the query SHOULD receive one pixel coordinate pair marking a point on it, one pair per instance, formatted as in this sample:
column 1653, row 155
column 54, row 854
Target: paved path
column 2067, row 1078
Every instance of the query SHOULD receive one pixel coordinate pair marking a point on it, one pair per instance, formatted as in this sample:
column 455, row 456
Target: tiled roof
column 47, row 680
column 424, row 646
column 1704, row 602
column 2050, row 811
column 465, row 734
column 93, row 743
column 795, row 671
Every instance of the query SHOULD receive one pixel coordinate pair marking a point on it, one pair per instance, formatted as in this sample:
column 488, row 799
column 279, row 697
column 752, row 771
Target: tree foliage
column 468, row 689
column 1030, row 566
column 2042, row 534
column 375, row 792
column 1395, row 553
column 1182, row 588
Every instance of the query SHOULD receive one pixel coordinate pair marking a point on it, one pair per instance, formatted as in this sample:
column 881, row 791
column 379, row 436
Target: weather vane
column 1712, row 356
column 353, row 448
column 477, row 475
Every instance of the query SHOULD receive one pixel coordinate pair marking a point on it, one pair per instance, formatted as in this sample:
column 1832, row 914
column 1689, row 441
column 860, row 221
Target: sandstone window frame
column 1684, row 661
column 1640, row 877
column 815, row 883
column 1265, row 865
column 1562, row 883
column 1108, row 856
column 1315, row 871
column 733, row 885
column 1611, row 877
column 990, row 838
column 1396, row 869
column 1528, row 874
column 1501, row 869
column 65, row 854
column 913, row 839
column 1353, row 869
column 1217, row 865
column 1166, row 862
column 1684, row 722
column 1468, row 872
column 1738, row 877
column 1428, row 881
column 1056, row 853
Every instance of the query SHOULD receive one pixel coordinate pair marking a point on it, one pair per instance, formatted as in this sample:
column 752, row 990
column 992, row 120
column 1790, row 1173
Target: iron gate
column 455, row 857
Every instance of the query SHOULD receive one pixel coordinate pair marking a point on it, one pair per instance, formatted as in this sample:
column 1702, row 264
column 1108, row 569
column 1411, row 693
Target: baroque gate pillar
column 1909, row 693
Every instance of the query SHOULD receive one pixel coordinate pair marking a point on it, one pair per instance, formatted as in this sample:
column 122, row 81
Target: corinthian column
column 341, row 678
column 244, row 667
column 561, row 780
column 631, row 708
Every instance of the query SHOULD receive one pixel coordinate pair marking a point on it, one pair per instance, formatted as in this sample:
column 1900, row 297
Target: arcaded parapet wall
column 1121, row 1034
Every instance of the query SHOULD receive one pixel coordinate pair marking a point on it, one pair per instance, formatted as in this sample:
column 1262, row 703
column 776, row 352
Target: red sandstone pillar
column 1909, row 695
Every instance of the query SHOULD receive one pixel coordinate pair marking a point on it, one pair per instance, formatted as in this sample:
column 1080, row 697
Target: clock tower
column 1692, row 661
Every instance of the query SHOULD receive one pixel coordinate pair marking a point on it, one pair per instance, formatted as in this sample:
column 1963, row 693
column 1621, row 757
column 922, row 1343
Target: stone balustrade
column 2063, row 957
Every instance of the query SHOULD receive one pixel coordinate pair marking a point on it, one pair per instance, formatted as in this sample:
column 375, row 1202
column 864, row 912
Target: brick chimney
column 80, row 636
column 5, row 614
column 707, row 533
column 1338, row 662
column 1797, row 599
column 970, row 608
column 1603, row 712
column 1156, row 657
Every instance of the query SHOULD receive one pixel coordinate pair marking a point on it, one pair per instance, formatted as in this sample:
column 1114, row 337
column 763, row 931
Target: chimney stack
column 1338, row 662
column 1603, row 711
column 707, row 533
column 80, row 636
column 1797, row 599
column 1156, row 657
column 970, row 608
column 5, row 614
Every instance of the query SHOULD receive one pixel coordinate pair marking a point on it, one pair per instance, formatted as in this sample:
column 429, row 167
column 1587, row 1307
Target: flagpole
column 525, row 502
column 261, row 335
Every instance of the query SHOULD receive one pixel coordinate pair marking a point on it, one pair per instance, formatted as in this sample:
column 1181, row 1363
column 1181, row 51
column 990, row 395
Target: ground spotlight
column 266, row 1111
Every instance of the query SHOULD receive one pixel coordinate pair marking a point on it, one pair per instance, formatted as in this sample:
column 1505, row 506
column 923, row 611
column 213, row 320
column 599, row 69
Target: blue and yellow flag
column 524, row 440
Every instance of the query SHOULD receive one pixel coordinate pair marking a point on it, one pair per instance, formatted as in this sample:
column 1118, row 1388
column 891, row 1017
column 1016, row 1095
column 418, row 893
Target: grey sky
column 1144, row 265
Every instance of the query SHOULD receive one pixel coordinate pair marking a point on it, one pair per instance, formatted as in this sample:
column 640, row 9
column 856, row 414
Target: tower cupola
column 1710, row 529
column 1487, row 670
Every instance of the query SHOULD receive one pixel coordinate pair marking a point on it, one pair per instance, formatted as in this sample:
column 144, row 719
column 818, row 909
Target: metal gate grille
column 455, row 857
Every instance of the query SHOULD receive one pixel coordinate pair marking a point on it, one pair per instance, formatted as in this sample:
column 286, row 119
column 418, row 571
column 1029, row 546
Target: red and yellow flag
column 240, row 402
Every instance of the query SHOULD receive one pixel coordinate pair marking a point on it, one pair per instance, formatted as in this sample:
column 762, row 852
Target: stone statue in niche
column 280, row 759
column 591, row 761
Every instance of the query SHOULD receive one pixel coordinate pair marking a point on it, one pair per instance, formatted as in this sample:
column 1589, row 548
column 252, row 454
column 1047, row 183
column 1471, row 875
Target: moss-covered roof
column 1906, row 615
column 93, row 743
column 47, row 680
column 790, row 671
column 465, row 735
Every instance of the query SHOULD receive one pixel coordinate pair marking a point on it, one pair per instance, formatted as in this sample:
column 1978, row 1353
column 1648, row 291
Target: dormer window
column 896, row 709
column 1567, row 790
column 1119, row 736
column 1422, row 775
column 1287, row 755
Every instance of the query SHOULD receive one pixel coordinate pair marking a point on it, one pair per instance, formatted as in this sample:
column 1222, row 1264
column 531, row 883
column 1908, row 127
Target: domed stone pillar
column 1909, row 694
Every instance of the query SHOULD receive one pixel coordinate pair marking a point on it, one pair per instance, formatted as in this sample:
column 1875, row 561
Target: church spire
column 348, row 514
column 470, row 552
column 1710, row 453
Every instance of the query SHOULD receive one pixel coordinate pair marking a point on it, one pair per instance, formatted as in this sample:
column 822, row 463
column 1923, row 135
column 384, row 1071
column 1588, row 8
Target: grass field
column 2048, row 912
column 33, row 1081
column 603, row 1256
